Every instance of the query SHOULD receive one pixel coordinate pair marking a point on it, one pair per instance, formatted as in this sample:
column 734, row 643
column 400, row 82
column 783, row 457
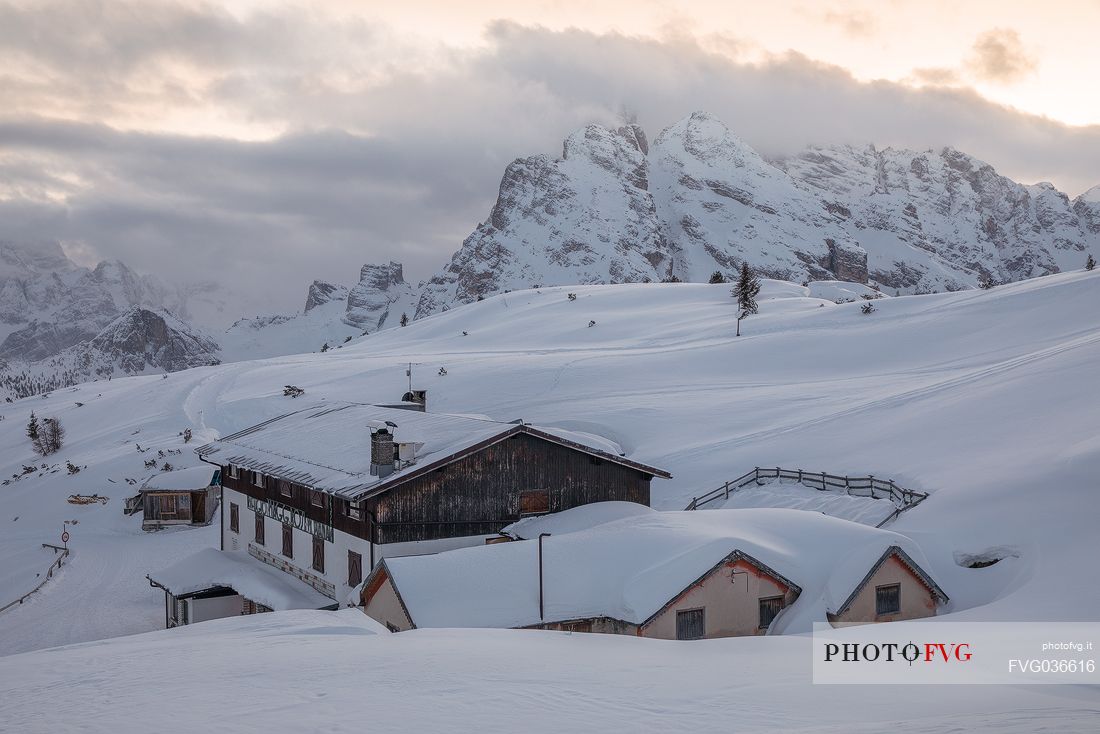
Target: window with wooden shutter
column 317, row 499
column 691, row 624
column 234, row 517
column 288, row 541
column 769, row 607
column 258, row 479
column 888, row 599
column 534, row 502
column 318, row 555
column 259, row 529
column 355, row 568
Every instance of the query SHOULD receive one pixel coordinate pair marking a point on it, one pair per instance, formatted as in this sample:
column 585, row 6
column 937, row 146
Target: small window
column 317, row 499
column 288, row 541
column 234, row 517
column 258, row 479
column 888, row 599
column 168, row 504
column 355, row 568
column 769, row 607
column 285, row 489
column 354, row 511
column 234, row 472
column 534, row 502
column 259, row 529
column 691, row 624
column 318, row 555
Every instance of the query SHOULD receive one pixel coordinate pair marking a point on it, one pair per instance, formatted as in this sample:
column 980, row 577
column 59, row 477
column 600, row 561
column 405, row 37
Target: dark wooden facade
column 478, row 494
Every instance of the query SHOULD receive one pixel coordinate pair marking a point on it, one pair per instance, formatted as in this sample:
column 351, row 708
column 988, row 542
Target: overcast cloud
column 387, row 150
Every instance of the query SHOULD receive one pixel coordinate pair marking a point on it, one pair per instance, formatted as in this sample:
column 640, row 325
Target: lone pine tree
column 1090, row 263
column 745, row 290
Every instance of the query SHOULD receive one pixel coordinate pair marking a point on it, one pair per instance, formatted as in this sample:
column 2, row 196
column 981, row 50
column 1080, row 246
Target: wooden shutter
column 691, row 624
column 534, row 502
column 234, row 517
column 288, row 541
column 769, row 607
column 888, row 599
column 259, row 529
column 355, row 568
column 318, row 555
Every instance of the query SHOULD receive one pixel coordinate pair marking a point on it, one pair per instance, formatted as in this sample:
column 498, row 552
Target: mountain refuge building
column 324, row 493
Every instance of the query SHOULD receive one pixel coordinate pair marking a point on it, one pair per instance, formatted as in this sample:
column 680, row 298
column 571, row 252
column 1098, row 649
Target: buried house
column 667, row 575
column 322, row 494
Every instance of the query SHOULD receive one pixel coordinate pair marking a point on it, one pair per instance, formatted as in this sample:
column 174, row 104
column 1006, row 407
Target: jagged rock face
column 614, row 209
column 140, row 340
column 721, row 204
column 934, row 221
column 321, row 293
column 587, row 217
column 381, row 292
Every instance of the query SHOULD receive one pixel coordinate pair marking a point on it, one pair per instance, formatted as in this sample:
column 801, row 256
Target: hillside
column 985, row 399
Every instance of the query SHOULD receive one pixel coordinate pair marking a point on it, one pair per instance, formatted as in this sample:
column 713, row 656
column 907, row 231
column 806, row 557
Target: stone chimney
column 381, row 450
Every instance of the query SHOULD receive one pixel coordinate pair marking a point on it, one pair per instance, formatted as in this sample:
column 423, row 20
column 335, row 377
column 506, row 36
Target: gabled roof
column 629, row 569
column 908, row 562
column 327, row 446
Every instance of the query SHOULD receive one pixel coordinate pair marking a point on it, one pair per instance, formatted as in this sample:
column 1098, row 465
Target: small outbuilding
column 211, row 584
column 666, row 575
column 181, row 497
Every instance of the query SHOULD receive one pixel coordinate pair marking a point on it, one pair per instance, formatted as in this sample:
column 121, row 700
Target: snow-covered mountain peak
column 705, row 138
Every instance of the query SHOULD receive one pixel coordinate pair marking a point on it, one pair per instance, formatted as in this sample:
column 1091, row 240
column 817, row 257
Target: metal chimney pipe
column 542, row 617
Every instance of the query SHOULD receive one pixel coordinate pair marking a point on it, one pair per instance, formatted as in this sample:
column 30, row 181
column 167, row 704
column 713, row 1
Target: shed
column 181, row 497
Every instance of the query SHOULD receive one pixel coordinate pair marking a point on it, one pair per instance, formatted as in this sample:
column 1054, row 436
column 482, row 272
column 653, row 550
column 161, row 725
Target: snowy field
column 987, row 400
column 340, row 672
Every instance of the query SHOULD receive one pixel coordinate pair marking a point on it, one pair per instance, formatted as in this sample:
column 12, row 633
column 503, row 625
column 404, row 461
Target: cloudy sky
column 264, row 144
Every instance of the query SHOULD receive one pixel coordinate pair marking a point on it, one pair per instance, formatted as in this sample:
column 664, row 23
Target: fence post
column 727, row 490
column 800, row 476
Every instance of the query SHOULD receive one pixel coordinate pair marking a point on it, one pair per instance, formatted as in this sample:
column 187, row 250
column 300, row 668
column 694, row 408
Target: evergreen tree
column 717, row 277
column 404, row 319
column 985, row 281
column 745, row 291
column 1090, row 263
column 32, row 428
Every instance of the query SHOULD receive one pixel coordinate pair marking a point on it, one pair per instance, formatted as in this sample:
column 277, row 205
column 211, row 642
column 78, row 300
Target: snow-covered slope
column 615, row 209
column 984, row 399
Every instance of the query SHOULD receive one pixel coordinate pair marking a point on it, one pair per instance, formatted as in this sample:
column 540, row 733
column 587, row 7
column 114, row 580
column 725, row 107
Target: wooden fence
column 58, row 562
column 869, row 486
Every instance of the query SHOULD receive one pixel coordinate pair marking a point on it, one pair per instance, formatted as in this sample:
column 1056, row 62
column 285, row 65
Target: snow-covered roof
column 575, row 519
column 628, row 569
column 327, row 446
column 211, row 568
column 195, row 477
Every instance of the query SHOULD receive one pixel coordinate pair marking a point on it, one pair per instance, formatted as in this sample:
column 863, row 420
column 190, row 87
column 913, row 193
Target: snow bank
column 575, row 519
